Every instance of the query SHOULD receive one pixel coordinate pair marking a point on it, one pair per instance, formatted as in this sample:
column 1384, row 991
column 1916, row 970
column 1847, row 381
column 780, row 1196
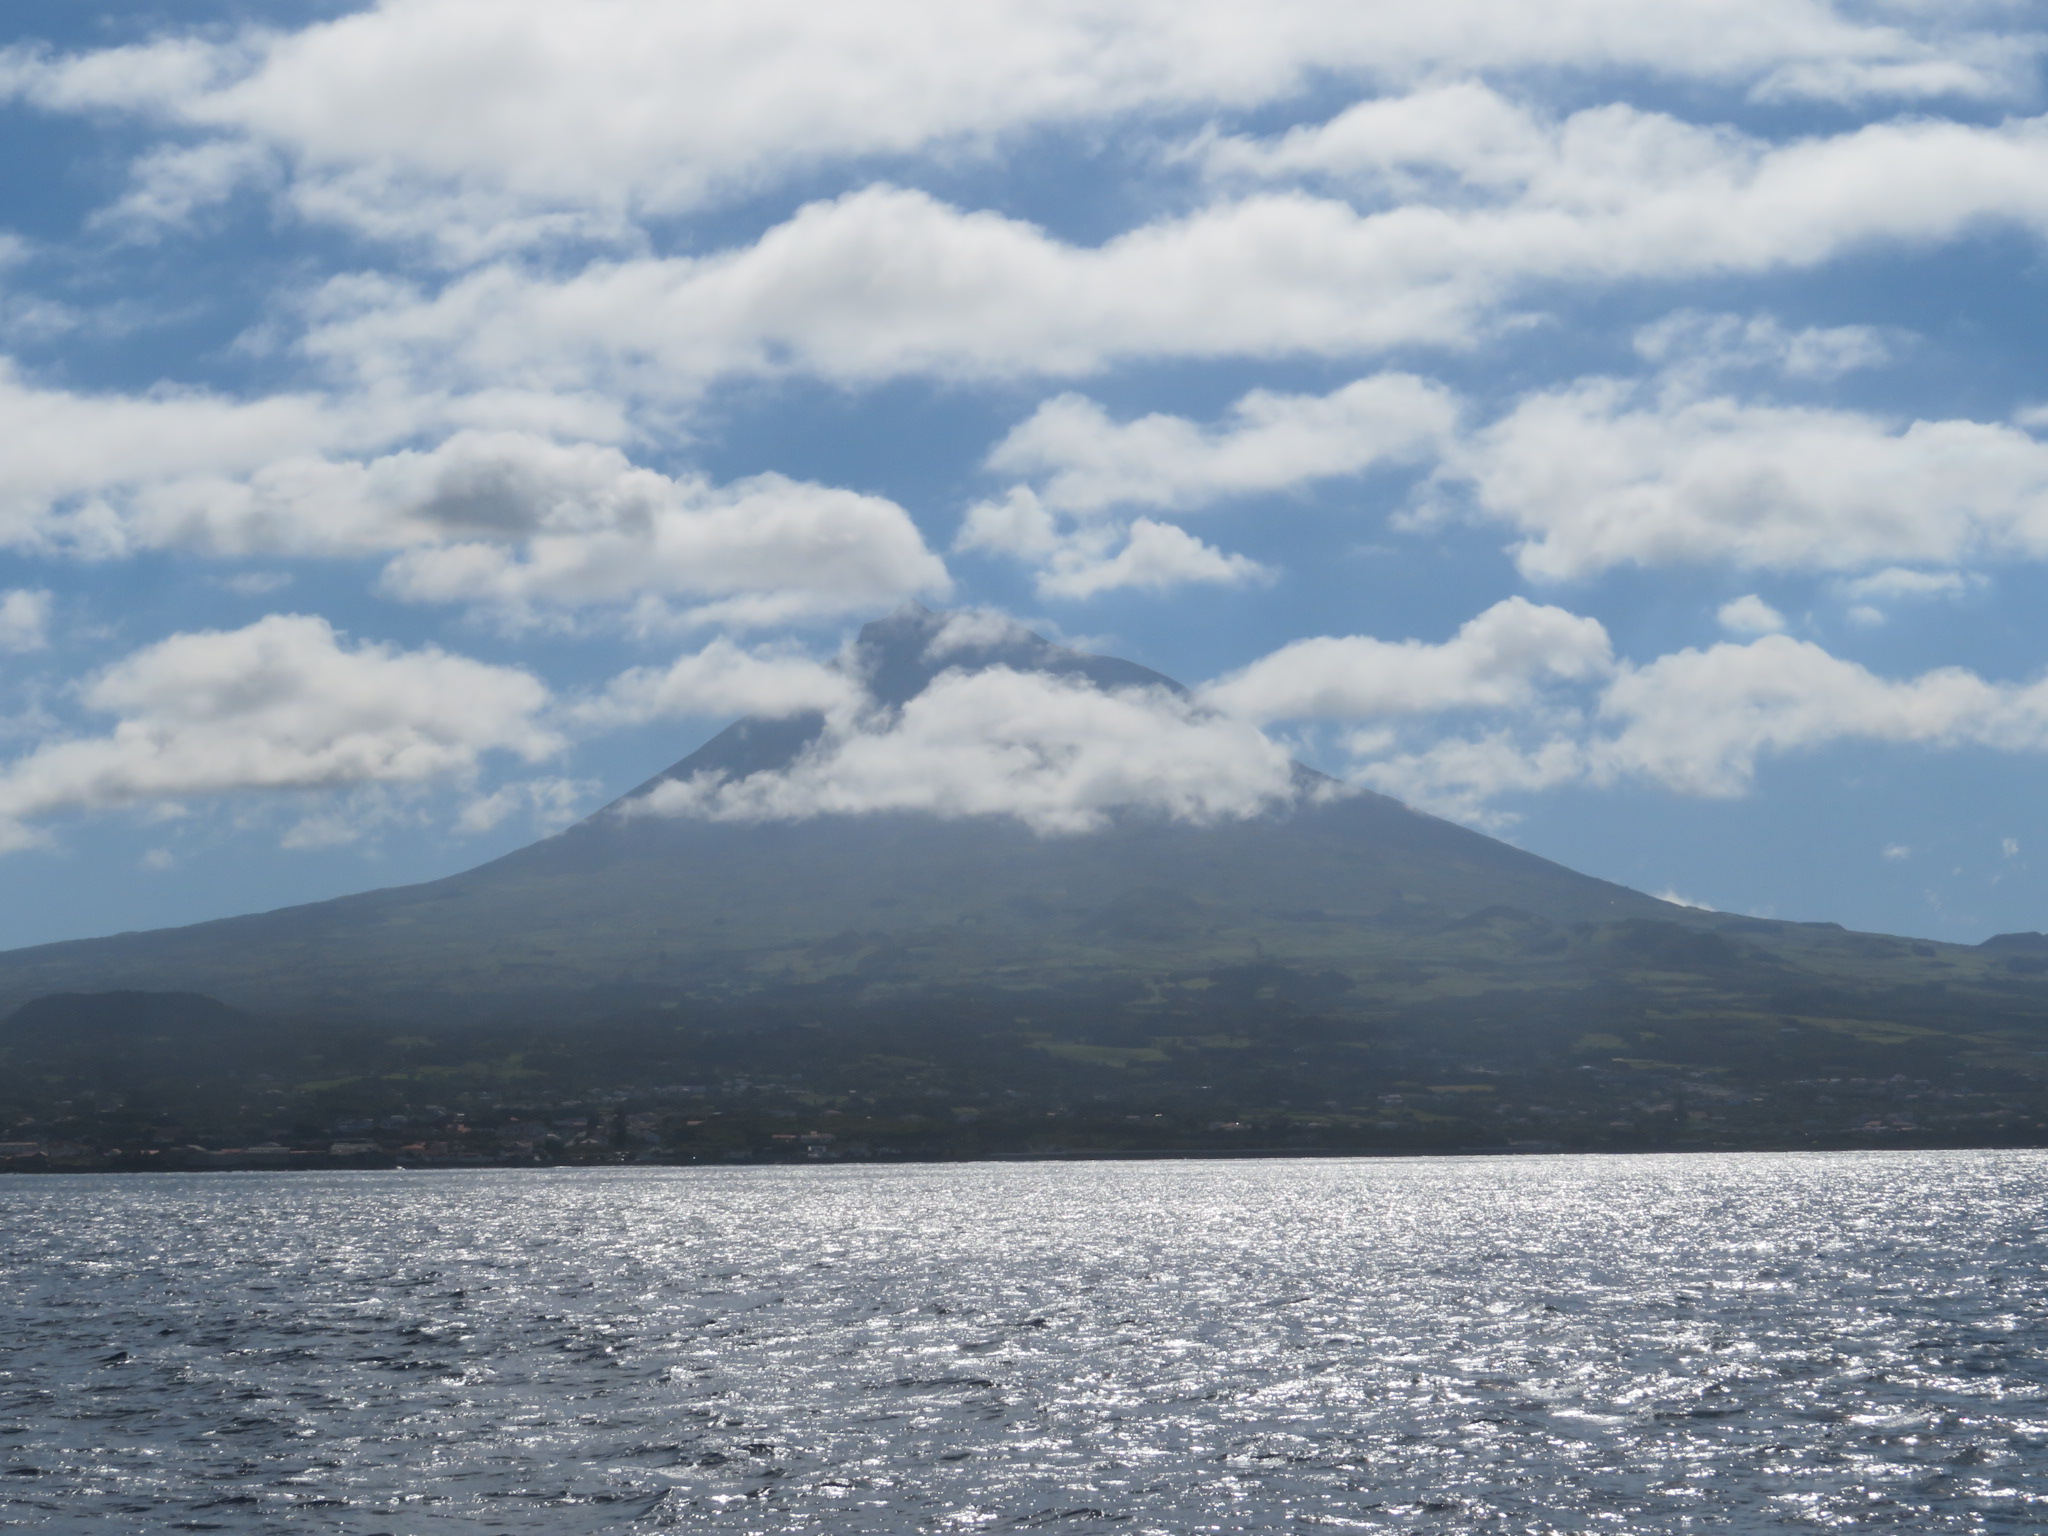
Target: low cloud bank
column 1058, row 754
column 1523, row 698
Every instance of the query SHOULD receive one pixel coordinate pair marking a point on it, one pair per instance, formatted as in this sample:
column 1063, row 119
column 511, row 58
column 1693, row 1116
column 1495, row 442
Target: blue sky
column 1619, row 426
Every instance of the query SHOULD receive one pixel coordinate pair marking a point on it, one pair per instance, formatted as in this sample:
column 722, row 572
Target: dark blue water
column 1628, row 1345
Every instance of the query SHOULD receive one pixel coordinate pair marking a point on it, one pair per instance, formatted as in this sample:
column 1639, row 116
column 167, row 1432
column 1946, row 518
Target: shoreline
column 305, row 1164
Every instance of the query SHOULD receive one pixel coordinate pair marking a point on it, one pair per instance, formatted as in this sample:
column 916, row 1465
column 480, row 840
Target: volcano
column 1325, row 968
column 625, row 909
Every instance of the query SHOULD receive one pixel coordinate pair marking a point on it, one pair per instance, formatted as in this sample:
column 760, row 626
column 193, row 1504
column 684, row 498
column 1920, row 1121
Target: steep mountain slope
column 621, row 911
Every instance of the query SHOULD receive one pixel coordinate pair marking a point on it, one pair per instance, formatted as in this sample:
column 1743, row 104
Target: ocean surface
column 1625, row 1344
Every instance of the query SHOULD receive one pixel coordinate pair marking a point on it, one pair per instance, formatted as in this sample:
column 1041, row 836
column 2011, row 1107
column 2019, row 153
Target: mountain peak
column 898, row 657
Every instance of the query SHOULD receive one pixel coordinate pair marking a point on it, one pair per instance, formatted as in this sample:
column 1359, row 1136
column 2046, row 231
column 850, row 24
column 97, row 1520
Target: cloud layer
column 889, row 281
column 476, row 124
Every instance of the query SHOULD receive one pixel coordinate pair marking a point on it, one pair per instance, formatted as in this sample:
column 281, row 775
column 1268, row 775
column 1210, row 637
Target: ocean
column 1734, row 1343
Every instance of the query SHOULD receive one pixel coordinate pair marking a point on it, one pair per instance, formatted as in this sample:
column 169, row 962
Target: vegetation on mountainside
column 1347, row 974
column 1625, row 1037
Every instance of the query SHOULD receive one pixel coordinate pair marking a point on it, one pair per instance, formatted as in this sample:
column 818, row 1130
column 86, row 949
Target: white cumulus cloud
column 80, row 468
column 521, row 524
column 1695, row 346
column 25, row 619
column 1698, row 720
column 1089, row 470
column 1895, row 582
column 726, row 679
column 1749, row 615
column 1085, row 462
column 1083, row 561
column 282, row 704
column 1499, row 658
column 1554, row 708
column 519, row 521
column 1153, row 556
column 1602, row 473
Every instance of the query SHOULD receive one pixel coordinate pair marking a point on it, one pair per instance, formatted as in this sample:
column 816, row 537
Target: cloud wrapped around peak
column 1058, row 754
column 1523, row 698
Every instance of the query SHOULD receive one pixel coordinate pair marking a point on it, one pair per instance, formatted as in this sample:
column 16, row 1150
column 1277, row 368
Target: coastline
column 309, row 1163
